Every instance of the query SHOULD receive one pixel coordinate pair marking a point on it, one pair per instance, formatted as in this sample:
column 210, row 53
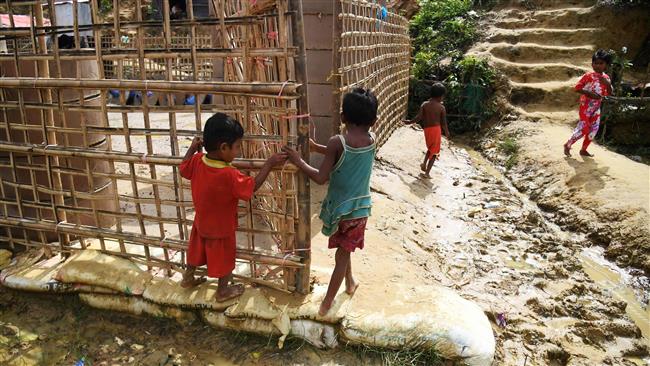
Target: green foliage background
column 441, row 33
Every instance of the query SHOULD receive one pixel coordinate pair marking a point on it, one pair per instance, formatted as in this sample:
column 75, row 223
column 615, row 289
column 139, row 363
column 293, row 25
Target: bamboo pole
column 150, row 85
column 303, row 242
column 336, row 65
column 48, row 121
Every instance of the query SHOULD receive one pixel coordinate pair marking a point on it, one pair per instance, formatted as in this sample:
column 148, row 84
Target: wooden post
column 336, row 64
column 303, row 230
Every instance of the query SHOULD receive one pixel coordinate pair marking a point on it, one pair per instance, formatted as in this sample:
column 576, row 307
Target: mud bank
column 541, row 51
column 606, row 197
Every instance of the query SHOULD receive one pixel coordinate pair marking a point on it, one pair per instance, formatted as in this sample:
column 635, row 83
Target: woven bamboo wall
column 74, row 167
column 373, row 52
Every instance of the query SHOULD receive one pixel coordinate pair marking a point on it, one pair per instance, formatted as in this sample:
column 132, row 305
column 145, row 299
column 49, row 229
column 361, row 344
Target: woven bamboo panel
column 374, row 52
column 77, row 162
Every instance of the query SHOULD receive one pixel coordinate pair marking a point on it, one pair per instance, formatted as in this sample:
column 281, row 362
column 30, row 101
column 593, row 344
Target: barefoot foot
column 585, row 153
column 352, row 289
column 423, row 167
column 567, row 150
column 229, row 292
column 324, row 307
column 191, row 282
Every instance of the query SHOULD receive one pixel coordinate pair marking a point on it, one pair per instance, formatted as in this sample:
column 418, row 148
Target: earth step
column 549, row 96
column 560, row 19
column 535, row 73
column 544, row 4
column 533, row 53
column 553, row 37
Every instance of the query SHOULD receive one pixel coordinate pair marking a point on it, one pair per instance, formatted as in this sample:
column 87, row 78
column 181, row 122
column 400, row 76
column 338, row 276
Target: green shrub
column 442, row 32
column 469, row 89
column 510, row 148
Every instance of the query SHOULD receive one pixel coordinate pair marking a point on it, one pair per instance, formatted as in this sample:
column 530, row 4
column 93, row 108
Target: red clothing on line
column 216, row 190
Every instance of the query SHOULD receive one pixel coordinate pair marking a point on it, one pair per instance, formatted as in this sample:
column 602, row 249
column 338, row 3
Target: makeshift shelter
column 74, row 167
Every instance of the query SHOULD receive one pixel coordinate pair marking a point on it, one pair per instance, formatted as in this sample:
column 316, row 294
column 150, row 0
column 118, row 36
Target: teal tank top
column 348, row 195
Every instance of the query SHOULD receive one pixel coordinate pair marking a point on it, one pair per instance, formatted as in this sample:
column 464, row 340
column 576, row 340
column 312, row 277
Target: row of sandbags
column 452, row 326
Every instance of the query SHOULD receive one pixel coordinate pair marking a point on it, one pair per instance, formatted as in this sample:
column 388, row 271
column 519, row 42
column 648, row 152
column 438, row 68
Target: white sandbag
column 319, row 335
column 27, row 275
column 306, row 307
column 165, row 291
column 437, row 319
column 138, row 306
column 92, row 267
column 5, row 258
column 252, row 325
column 253, row 303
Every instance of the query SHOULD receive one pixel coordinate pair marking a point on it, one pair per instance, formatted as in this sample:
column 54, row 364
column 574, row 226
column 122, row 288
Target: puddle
column 611, row 278
column 518, row 264
column 638, row 361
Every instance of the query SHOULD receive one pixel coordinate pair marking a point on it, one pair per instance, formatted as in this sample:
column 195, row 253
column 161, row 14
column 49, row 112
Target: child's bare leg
column 342, row 258
column 227, row 292
column 189, row 280
column 430, row 165
column 423, row 166
column 350, row 284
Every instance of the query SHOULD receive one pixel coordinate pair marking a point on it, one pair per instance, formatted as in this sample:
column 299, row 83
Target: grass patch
column 407, row 357
column 510, row 148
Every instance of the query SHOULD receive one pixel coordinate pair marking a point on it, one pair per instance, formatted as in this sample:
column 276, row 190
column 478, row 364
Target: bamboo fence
column 372, row 50
column 74, row 167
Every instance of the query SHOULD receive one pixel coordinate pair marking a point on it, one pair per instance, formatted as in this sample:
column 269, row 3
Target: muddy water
column 604, row 273
column 612, row 278
column 530, row 271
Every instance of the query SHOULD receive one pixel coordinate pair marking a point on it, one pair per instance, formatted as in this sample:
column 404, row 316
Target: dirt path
column 543, row 50
column 471, row 230
column 467, row 228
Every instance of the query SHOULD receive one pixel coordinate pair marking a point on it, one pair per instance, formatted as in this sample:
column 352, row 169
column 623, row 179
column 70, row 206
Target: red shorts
column 350, row 235
column 433, row 137
column 218, row 254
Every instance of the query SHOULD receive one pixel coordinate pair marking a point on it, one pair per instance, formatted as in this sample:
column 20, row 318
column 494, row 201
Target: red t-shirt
column 216, row 191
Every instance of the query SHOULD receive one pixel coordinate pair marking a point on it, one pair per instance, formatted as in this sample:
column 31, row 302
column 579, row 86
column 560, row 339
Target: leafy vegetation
column 510, row 148
column 442, row 32
column 105, row 6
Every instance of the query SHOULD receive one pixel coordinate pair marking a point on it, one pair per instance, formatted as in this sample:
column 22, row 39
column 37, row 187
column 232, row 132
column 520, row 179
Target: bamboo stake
column 303, row 229
column 150, row 85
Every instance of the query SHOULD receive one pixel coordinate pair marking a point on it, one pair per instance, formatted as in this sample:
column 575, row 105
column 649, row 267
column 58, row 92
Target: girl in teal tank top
column 347, row 166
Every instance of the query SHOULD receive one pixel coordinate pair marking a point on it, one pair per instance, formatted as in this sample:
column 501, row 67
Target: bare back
column 432, row 113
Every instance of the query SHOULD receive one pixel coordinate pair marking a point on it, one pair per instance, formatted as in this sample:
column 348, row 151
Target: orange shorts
column 432, row 136
column 218, row 254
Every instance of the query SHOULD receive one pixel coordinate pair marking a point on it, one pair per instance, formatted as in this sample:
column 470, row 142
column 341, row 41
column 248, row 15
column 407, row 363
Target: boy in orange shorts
column 217, row 188
column 433, row 119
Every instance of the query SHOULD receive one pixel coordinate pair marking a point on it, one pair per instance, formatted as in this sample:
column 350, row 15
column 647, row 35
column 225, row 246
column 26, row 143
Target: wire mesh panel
column 374, row 52
column 92, row 133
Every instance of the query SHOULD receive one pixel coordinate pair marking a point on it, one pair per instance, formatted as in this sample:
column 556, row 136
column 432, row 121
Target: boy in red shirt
column 593, row 86
column 217, row 188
